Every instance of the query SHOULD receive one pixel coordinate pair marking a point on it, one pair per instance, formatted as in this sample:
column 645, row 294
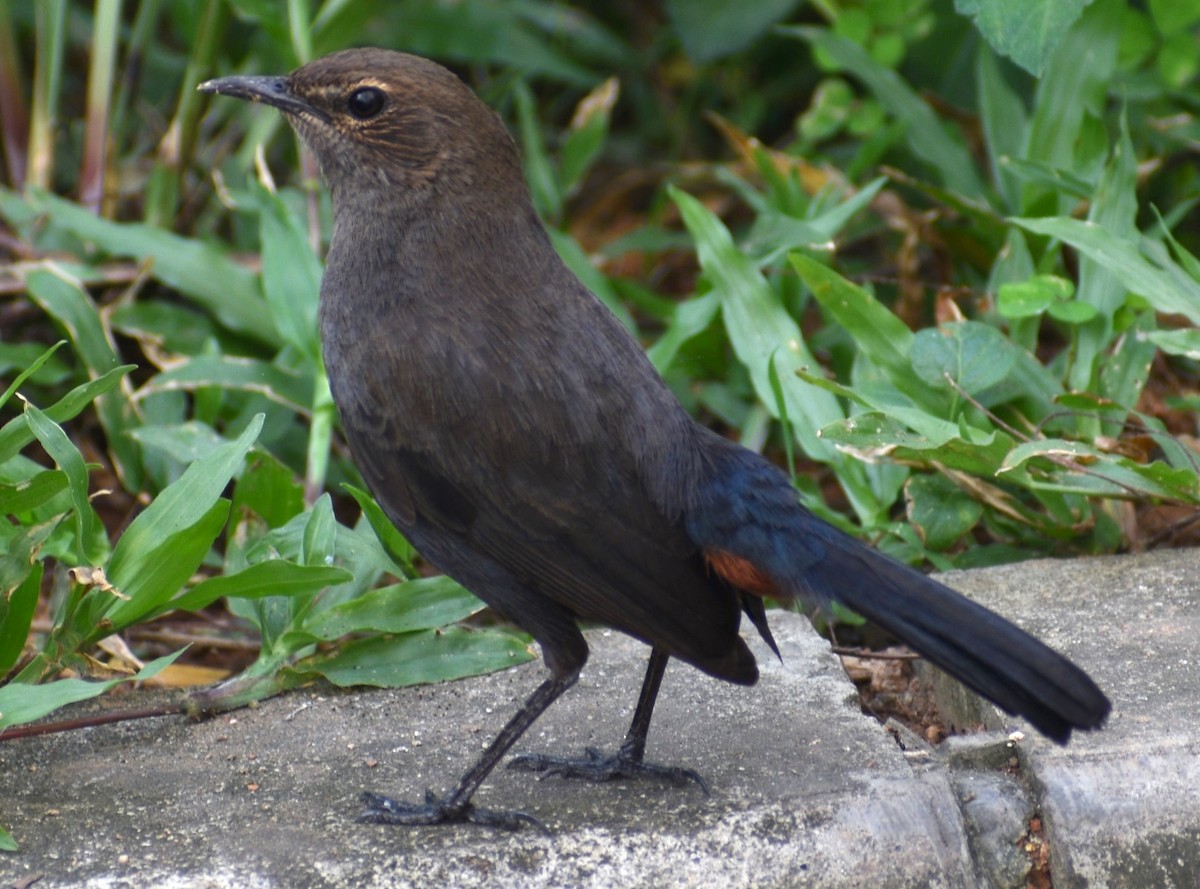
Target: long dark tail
column 976, row 646
column 754, row 532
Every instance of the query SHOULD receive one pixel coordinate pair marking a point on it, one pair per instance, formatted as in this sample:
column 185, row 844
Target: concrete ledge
column 1121, row 807
column 806, row 790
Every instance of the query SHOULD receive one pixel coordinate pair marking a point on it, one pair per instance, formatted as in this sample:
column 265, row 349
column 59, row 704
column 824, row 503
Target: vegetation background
column 936, row 258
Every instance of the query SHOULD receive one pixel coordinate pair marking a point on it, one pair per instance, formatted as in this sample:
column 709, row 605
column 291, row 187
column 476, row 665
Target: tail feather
column 747, row 519
column 978, row 647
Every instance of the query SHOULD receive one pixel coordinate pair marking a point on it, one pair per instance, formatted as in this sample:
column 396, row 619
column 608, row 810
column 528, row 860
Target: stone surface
column 1122, row 807
column 805, row 789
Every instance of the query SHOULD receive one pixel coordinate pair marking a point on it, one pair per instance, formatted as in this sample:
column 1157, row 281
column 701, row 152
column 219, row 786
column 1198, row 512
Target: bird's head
column 375, row 118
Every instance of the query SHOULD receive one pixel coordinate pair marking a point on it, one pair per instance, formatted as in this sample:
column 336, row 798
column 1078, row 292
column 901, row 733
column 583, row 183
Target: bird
column 516, row 433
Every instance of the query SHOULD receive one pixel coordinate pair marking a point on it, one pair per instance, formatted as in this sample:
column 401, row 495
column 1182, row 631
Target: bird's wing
column 525, row 425
column 579, row 531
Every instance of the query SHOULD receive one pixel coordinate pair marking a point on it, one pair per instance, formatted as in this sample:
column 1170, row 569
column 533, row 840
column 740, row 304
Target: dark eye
column 366, row 102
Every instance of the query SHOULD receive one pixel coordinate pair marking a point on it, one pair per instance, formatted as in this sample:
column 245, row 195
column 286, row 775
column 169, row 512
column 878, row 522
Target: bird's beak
column 273, row 91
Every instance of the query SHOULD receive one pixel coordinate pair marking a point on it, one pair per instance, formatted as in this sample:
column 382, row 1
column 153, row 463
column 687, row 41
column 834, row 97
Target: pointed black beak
column 273, row 91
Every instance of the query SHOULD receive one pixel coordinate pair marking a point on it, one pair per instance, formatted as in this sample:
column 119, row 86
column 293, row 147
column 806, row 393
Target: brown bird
column 517, row 434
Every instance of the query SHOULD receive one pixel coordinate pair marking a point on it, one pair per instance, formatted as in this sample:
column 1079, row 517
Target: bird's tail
column 756, row 535
column 976, row 646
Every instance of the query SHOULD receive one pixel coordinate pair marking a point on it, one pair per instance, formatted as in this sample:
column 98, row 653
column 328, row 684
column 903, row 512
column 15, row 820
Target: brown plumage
column 517, row 434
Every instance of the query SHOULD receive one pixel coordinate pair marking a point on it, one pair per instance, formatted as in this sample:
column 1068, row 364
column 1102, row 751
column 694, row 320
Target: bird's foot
column 385, row 810
column 595, row 766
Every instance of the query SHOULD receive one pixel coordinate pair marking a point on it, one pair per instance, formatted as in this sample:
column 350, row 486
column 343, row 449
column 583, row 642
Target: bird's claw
column 385, row 810
column 596, row 766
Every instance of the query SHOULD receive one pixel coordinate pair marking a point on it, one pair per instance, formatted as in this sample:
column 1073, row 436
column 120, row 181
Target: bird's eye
column 366, row 102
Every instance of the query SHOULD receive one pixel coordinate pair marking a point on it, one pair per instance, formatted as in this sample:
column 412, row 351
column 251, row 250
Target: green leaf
column 17, row 433
column 985, row 364
column 63, row 298
column 881, row 434
column 776, row 233
column 1177, row 342
column 1187, row 260
column 1074, row 312
column 829, row 109
column 1173, row 16
column 7, row 843
column 201, row 271
column 33, row 368
column 942, row 514
column 31, row 493
column 1014, row 264
column 1055, row 179
column 183, row 503
column 709, row 29
column 418, row 658
column 19, row 557
column 690, row 318
column 784, row 422
column 1078, row 79
column 184, row 442
column 288, row 387
column 1114, row 208
column 18, row 356
column 291, row 275
column 1155, row 276
column 504, row 35
column 1027, row 31
column 274, row 577
column 269, row 489
column 883, row 338
column 972, row 354
column 589, row 129
column 1048, row 447
column 21, row 703
column 1079, row 467
column 1005, row 123
column 179, row 330
column 927, row 137
column 19, row 602
column 91, row 544
column 357, row 548
column 148, row 578
column 1178, row 483
column 422, row 604
column 1177, row 63
column 759, row 327
column 394, row 543
column 184, row 514
column 1125, row 372
column 1026, row 299
column 319, row 543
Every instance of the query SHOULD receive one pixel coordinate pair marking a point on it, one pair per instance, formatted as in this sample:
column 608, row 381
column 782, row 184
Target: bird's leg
column 628, row 761
column 457, row 805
